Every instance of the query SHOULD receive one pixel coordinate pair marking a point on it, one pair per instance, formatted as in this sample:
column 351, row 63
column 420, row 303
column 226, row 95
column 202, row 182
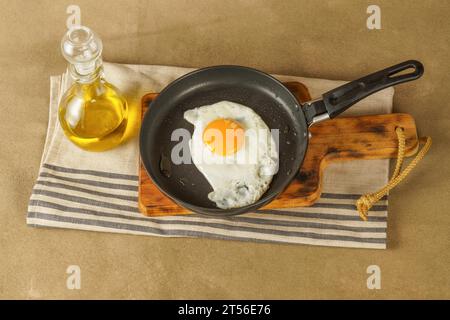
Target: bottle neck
column 86, row 73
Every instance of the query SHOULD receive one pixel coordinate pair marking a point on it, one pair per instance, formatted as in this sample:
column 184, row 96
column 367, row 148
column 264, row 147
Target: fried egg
column 234, row 150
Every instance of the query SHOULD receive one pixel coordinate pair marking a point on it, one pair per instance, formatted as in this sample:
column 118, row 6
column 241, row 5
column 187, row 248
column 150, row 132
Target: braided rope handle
column 365, row 202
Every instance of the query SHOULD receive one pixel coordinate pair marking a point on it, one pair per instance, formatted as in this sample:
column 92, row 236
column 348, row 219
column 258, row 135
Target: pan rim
column 266, row 197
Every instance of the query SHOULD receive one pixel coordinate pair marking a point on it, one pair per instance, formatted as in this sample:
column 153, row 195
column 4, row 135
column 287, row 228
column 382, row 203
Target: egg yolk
column 223, row 136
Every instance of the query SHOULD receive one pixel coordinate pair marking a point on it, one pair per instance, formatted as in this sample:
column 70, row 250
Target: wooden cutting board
column 342, row 139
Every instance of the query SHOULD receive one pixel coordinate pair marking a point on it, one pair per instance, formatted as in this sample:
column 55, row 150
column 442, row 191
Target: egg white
column 238, row 179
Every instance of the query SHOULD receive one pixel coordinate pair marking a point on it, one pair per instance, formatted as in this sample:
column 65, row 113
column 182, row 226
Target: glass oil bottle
column 93, row 113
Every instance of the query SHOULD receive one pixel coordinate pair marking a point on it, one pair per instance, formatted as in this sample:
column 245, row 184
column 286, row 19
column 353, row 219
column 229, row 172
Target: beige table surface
column 309, row 38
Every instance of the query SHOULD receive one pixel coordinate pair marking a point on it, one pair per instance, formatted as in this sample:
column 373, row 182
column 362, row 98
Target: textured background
column 309, row 38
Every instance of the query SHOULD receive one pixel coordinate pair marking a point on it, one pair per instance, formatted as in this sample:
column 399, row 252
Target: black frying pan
column 279, row 109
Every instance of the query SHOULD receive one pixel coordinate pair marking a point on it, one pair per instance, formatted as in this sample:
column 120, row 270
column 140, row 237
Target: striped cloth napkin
column 82, row 190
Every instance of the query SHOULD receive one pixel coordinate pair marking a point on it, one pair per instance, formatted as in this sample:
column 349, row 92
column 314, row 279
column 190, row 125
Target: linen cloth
column 77, row 189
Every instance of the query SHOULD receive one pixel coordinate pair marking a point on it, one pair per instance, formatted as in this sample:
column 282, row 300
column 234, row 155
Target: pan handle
column 338, row 100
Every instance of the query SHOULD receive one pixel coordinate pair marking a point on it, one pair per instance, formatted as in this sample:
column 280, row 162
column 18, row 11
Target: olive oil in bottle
column 93, row 113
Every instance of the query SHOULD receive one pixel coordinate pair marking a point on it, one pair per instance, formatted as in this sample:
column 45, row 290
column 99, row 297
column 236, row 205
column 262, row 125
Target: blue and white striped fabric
column 98, row 191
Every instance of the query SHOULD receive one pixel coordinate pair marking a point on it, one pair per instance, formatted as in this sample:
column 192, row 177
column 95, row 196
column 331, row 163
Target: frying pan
column 270, row 99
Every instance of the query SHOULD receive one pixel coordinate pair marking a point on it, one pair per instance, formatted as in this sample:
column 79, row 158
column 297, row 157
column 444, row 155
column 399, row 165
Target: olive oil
column 93, row 113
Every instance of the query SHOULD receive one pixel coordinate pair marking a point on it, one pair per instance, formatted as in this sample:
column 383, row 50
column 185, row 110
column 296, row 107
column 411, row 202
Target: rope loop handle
column 365, row 202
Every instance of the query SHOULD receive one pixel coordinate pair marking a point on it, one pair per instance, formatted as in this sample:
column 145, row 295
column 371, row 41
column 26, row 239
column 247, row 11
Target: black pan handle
column 338, row 100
